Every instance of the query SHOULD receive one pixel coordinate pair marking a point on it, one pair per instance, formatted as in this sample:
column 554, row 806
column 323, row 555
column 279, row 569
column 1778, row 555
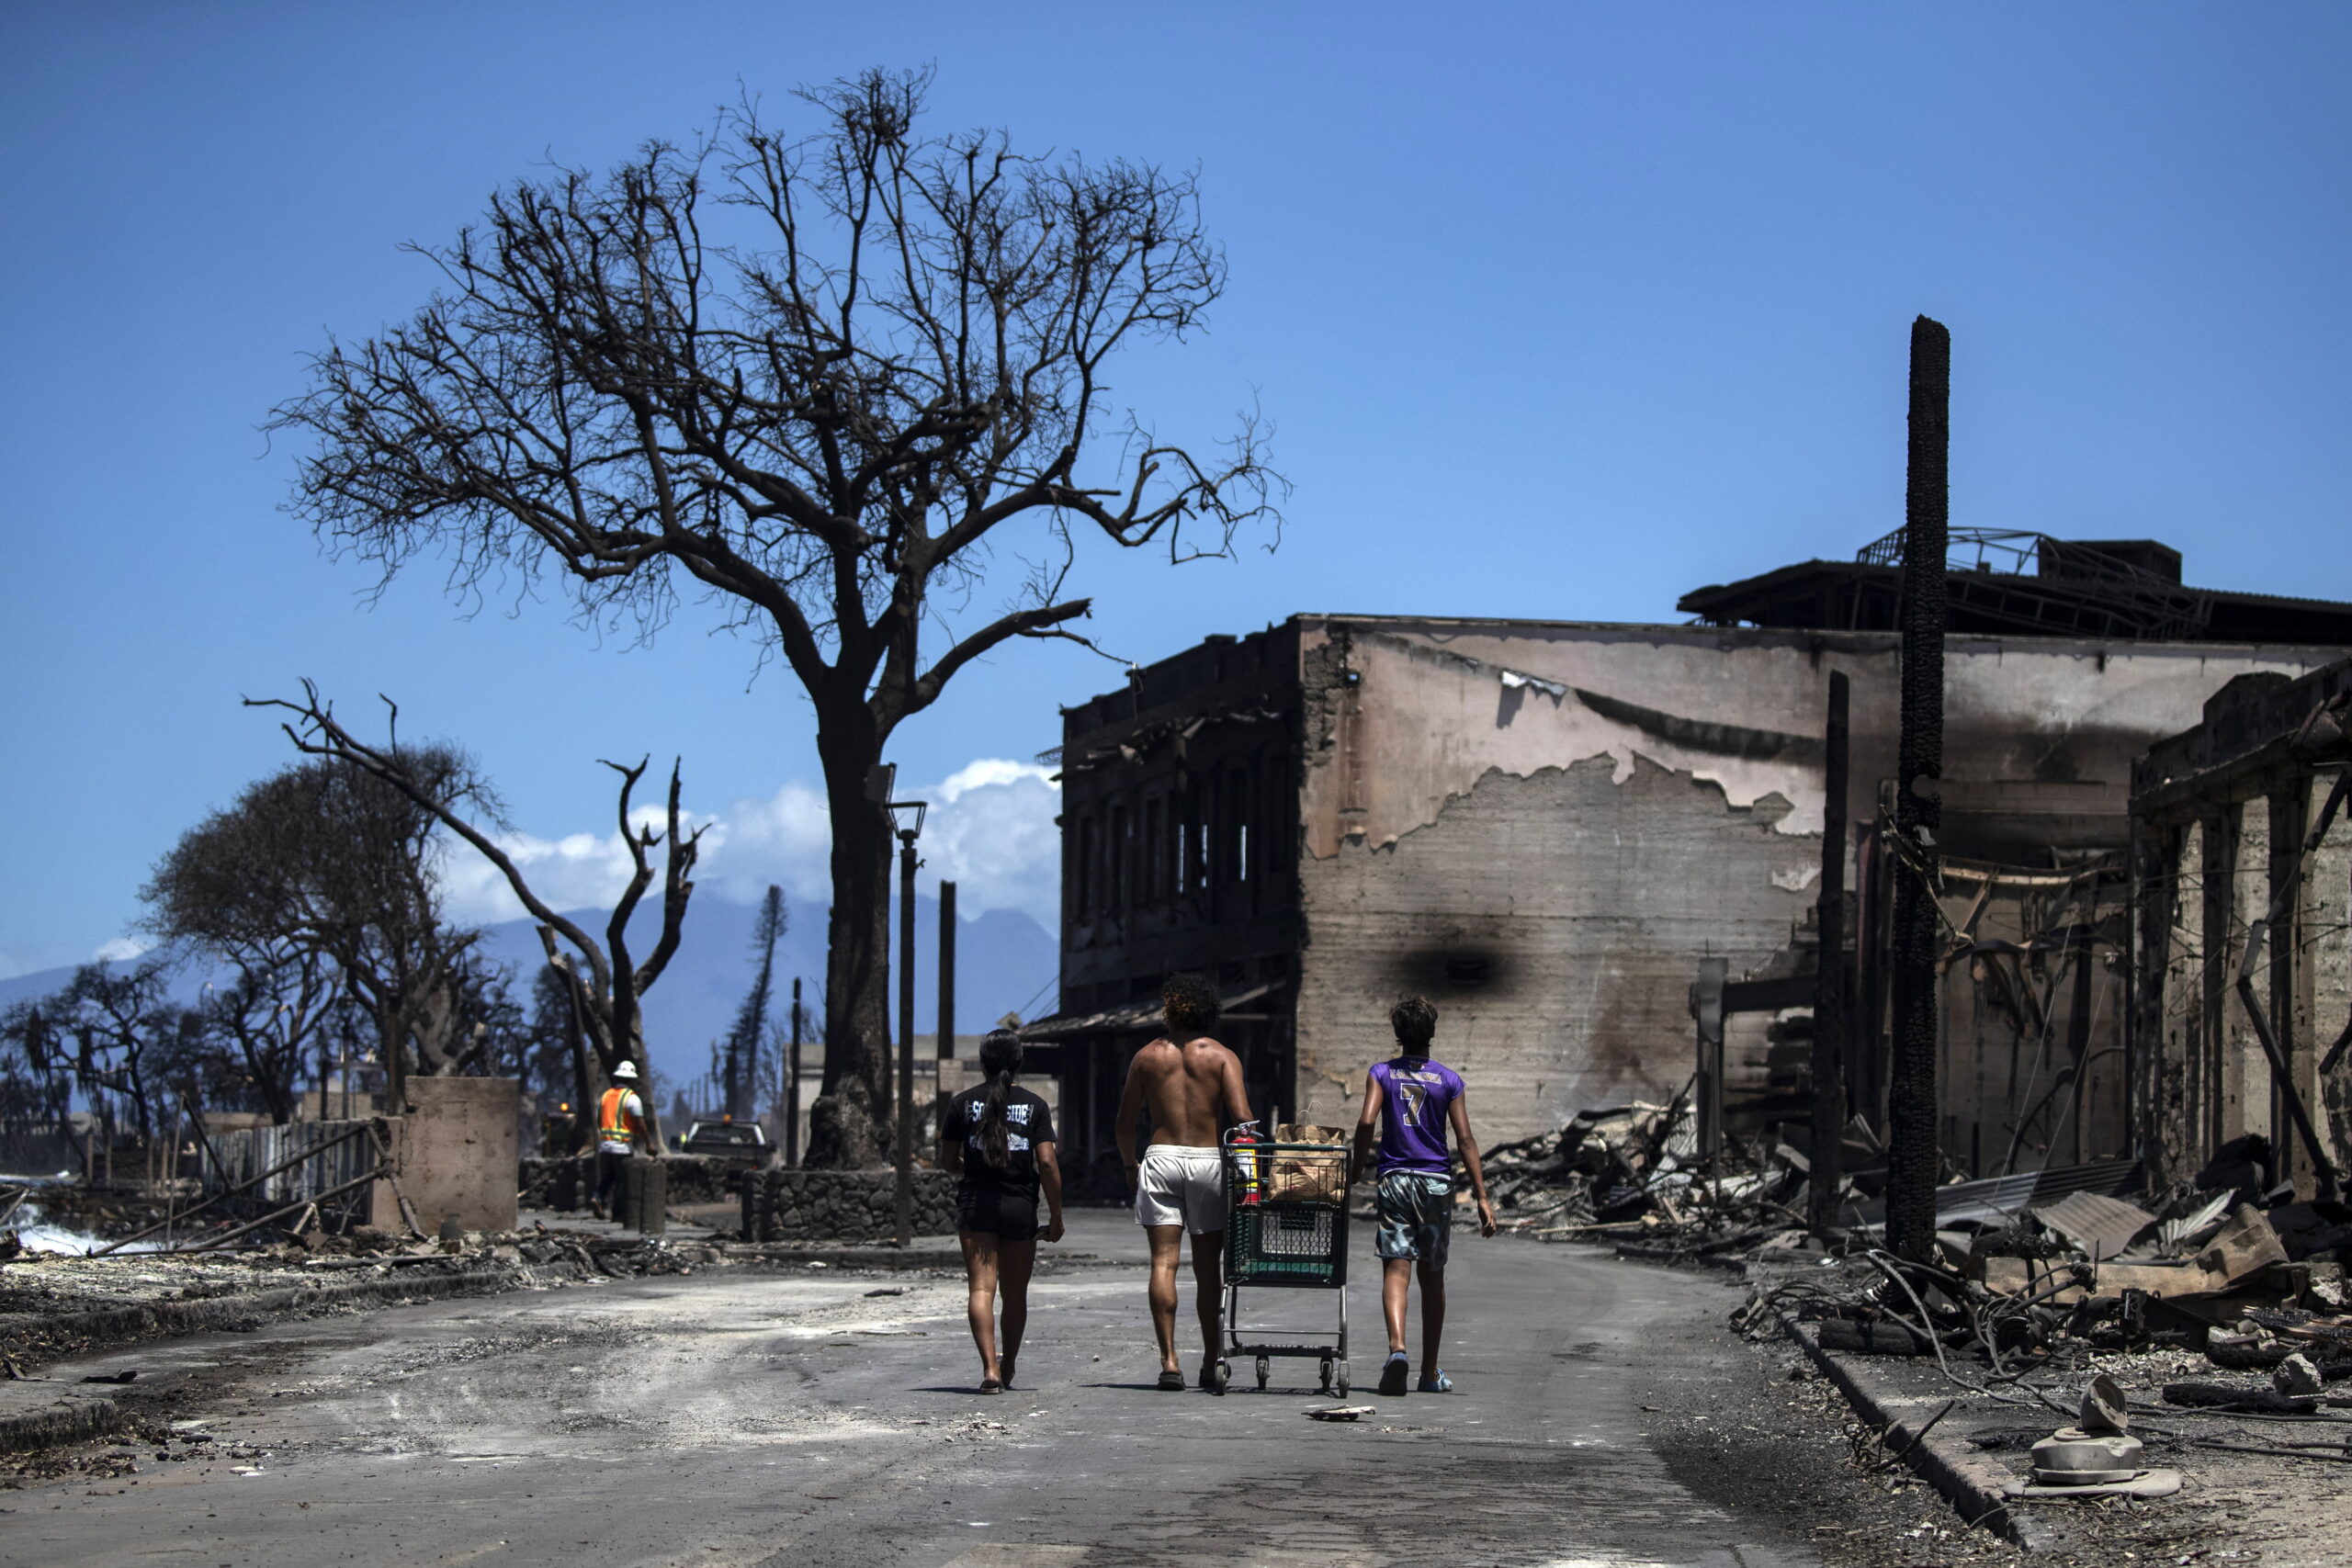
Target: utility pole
column 1913, row 1163
column 792, row 1085
column 1829, row 985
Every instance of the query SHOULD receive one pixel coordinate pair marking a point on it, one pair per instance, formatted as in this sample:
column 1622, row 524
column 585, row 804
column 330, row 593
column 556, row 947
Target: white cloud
column 991, row 772
column 121, row 950
column 990, row 831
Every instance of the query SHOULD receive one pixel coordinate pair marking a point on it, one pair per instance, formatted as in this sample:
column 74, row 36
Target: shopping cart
column 1285, row 1228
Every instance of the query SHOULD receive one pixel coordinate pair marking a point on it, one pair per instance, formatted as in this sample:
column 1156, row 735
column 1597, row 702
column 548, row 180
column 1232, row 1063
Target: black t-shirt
column 1028, row 1121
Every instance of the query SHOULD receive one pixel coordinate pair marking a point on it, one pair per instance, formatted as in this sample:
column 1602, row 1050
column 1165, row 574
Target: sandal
column 1439, row 1383
column 991, row 1385
column 1171, row 1383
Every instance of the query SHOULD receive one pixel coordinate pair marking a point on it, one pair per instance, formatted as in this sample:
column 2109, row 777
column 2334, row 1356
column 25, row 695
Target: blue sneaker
column 1438, row 1384
column 1393, row 1375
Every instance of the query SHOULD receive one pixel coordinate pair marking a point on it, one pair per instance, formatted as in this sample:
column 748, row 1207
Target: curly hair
column 1415, row 1021
column 1189, row 1002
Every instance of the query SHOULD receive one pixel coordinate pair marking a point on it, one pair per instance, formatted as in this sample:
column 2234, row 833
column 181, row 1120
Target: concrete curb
column 75, row 1417
column 162, row 1320
column 83, row 1412
column 1971, row 1484
column 876, row 1258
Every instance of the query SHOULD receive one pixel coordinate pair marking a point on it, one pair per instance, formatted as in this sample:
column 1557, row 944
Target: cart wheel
column 1327, row 1376
column 1224, row 1378
column 1263, row 1368
column 1339, row 1388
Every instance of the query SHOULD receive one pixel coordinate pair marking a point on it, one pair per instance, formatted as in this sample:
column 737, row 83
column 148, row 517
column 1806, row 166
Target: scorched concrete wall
column 1545, row 826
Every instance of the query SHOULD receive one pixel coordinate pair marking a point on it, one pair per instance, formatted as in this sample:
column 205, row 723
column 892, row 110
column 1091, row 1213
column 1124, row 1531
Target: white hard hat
column 625, row 1070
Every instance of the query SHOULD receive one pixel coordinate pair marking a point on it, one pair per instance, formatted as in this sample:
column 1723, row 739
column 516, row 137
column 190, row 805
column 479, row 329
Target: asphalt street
column 728, row 1421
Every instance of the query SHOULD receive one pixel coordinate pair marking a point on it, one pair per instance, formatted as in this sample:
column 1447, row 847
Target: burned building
column 2244, row 867
column 1546, row 826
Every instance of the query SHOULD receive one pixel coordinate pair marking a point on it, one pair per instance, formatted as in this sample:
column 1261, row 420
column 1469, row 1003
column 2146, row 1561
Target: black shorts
column 997, row 1210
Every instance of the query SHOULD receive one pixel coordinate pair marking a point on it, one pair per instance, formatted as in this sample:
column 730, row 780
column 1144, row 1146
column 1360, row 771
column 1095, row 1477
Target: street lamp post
column 906, row 819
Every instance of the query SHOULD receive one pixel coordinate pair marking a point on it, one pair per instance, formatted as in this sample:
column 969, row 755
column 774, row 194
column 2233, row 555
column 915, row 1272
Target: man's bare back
column 1192, row 1086
column 1187, row 1087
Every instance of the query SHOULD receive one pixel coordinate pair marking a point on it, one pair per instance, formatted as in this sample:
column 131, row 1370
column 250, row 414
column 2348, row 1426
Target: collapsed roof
column 2002, row 581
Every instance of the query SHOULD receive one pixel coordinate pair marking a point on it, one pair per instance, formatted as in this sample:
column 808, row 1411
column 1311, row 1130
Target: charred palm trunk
column 1913, row 1162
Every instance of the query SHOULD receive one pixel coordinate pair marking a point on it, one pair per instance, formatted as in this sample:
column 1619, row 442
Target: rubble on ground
column 1631, row 1173
column 45, row 1297
column 2221, row 1306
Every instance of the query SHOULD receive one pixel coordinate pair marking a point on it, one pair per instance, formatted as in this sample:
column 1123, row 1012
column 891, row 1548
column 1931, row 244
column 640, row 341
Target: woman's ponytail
column 1000, row 1059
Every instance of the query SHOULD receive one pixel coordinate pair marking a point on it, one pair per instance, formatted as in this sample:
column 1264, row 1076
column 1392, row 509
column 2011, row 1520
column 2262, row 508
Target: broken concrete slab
column 2246, row 1246
column 2297, row 1376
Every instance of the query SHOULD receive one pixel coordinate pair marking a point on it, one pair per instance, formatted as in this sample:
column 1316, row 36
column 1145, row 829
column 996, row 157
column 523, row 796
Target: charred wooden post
column 946, row 1041
column 1707, row 1008
column 1913, row 1164
column 1829, row 980
column 792, row 1085
column 906, row 1037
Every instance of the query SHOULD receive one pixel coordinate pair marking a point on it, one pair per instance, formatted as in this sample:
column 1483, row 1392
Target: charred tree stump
column 1913, row 1164
column 1830, row 983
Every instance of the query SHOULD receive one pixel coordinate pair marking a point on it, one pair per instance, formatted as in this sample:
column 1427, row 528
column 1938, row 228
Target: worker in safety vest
column 621, row 1131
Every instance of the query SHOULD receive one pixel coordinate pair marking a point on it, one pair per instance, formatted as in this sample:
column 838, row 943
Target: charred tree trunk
column 1913, row 1162
column 849, row 1122
column 1830, row 986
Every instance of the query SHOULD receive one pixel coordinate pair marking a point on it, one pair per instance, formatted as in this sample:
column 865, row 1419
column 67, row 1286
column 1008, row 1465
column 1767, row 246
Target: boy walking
column 1414, row 1099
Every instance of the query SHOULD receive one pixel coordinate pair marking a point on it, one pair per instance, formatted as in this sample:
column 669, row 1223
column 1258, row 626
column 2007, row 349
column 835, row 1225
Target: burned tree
column 608, row 985
column 827, row 382
column 272, row 1020
column 738, row 1067
column 322, row 862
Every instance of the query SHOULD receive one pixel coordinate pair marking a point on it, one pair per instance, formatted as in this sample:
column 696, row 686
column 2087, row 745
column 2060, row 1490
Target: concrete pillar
column 648, row 1187
column 2184, row 1108
column 2246, row 1071
column 2285, row 979
column 2323, row 945
column 2218, row 835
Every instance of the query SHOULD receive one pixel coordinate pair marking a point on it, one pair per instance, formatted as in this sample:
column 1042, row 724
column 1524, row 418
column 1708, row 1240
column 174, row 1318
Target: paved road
column 740, row 1421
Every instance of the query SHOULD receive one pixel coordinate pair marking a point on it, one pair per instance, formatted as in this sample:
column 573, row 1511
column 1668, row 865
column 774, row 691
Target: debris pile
column 2224, row 1303
column 1632, row 1173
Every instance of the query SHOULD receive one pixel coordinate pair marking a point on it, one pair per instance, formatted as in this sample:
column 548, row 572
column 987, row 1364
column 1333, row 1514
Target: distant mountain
column 1005, row 962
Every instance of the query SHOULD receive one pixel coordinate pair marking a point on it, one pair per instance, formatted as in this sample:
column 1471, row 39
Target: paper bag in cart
column 1310, row 1179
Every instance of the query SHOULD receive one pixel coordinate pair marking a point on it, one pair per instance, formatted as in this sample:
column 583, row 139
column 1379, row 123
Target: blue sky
column 1560, row 311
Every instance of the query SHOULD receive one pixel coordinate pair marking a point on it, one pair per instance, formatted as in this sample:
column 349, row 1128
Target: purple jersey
column 1417, row 1095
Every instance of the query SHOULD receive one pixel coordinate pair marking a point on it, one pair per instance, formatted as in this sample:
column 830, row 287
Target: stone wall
column 694, row 1179
column 850, row 1205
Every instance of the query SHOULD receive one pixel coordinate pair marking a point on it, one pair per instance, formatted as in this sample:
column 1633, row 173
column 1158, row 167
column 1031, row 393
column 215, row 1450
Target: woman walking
column 1000, row 1140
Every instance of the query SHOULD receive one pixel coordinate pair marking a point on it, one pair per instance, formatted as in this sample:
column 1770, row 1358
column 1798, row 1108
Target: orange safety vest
column 611, row 1126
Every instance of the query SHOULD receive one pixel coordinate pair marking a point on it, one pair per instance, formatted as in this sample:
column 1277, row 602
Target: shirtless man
column 1193, row 1088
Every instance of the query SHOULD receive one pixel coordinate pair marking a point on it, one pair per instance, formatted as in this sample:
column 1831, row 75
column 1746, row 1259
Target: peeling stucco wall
column 1595, row 806
column 2043, row 727
column 1553, row 918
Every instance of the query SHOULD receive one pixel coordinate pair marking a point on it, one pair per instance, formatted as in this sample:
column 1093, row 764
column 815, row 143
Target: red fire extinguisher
column 1249, row 1165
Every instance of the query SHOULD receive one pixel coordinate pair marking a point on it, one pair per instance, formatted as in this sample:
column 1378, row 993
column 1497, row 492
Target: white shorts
column 1181, row 1186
